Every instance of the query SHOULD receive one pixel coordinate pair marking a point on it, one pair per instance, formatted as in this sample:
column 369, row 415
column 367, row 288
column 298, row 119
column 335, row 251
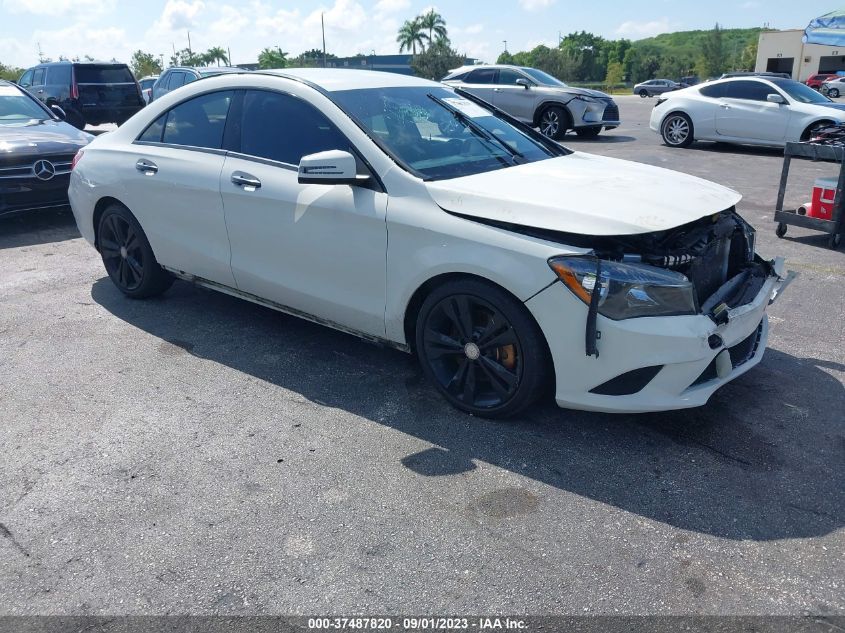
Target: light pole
column 506, row 45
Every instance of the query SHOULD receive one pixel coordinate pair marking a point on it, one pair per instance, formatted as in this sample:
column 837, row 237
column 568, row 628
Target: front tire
column 833, row 93
column 481, row 348
column 553, row 122
column 677, row 130
column 643, row 93
column 128, row 256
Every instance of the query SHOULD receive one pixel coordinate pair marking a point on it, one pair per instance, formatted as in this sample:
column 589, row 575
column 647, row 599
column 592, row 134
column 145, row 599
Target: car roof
column 205, row 69
column 333, row 79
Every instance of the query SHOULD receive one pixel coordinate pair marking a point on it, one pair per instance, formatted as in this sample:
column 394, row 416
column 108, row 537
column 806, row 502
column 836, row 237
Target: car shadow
column 602, row 138
column 730, row 148
column 762, row 461
column 37, row 227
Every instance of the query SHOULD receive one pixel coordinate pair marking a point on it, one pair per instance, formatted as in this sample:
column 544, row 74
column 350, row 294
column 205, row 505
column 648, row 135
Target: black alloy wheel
column 643, row 93
column 481, row 348
column 127, row 255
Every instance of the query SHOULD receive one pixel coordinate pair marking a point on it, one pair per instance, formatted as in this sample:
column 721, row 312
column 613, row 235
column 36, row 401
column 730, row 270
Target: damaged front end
column 705, row 267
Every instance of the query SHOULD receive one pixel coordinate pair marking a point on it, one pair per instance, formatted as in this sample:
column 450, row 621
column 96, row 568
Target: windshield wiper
column 475, row 127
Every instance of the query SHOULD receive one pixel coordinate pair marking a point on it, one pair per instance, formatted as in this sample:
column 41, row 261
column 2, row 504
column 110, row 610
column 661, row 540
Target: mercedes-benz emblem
column 44, row 170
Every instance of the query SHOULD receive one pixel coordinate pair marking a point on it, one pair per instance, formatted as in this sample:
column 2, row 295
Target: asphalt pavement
column 200, row 454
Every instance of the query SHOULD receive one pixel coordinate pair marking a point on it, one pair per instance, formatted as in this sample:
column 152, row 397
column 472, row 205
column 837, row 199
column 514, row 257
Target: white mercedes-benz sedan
column 413, row 214
column 750, row 110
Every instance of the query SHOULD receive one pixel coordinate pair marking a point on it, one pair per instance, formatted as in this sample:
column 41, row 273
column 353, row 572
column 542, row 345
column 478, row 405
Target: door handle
column 497, row 89
column 725, row 106
column 41, row 92
column 247, row 181
column 147, row 167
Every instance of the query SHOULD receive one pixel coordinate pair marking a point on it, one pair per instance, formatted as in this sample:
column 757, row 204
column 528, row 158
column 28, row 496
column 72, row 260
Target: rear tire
column 554, row 122
column 128, row 256
column 481, row 349
column 833, row 93
column 643, row 93
column 677, row 130
column 781, row 229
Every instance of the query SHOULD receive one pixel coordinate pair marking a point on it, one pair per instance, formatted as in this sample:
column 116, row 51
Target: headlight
column 627, row 290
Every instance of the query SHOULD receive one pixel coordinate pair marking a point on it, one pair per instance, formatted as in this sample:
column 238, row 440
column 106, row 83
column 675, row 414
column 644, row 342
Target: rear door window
column 198, row 122
column 715, row 91
column 482, row 76
column 59, row 75
column 103, row 74
column 38, row 77
column 176, row 79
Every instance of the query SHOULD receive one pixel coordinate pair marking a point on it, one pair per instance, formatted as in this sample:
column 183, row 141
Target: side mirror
column 334, row 167
column 775, row 98
column 523, row 82
column 59, row 112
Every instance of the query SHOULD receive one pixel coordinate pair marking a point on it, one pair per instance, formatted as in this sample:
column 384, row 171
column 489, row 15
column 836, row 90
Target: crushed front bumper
column 651, row 363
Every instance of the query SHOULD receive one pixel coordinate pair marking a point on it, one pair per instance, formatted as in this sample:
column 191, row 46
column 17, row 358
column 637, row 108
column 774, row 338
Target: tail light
column 76, row 159
column 74, row 88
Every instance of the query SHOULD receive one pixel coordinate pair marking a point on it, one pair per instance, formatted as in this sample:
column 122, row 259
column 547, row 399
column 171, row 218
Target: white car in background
column 512, row 264
column 749, row 110
column 833, row 88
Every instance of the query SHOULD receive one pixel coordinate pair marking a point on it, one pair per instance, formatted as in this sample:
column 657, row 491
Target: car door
column 744, row 112
column 518, row 101
column 481, row 82
column 172, row 183
column 318, row 249
column 38, row 79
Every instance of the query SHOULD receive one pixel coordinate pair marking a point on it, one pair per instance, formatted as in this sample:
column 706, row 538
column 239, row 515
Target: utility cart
column 815, row 152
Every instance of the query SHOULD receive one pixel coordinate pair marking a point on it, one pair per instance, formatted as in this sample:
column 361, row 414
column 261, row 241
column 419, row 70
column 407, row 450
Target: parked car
column 833, row 87
column 752, row 110
column 36, row 152
column 538, row 99
column 512, row 262
column 815, row 81
column 655, row 87
column 90, row 93
column 178, row 76
column 751, row 73
column 146, row 84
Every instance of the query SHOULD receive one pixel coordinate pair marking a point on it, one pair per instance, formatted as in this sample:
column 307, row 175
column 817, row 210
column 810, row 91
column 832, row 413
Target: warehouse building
column 786, row 52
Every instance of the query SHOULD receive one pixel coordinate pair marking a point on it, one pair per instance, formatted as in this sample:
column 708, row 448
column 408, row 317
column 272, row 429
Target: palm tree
column 217, row 54
column 434, row 23
column 410, row 35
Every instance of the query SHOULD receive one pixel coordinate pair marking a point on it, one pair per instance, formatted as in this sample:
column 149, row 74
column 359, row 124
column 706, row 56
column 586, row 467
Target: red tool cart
column 821, row 216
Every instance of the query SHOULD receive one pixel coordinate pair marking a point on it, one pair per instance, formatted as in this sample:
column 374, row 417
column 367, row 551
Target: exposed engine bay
column 715, row 253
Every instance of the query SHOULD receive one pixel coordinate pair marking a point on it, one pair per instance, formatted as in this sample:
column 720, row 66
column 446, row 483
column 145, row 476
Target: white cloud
column 391, row 6
column 179, row 14
column 58, row 7
column 231, row 22
column 535, row 5
column 637, row 30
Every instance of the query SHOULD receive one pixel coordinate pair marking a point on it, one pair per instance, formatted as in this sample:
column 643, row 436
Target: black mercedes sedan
column 36, row 152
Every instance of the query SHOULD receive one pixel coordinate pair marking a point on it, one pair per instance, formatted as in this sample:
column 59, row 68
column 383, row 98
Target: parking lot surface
column 200, row 454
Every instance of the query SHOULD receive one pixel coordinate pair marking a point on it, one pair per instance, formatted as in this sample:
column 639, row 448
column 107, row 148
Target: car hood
column 584, row 194
column 570, row 90
column 48, row 137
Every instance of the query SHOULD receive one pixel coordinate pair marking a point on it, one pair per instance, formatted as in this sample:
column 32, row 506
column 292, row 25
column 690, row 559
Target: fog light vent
column 628, row 383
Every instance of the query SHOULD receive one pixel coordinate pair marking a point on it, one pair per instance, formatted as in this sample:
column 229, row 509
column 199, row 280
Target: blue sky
column 113, row 28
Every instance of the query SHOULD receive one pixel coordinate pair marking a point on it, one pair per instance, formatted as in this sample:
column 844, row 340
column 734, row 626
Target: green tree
column 748, row 57
column 713, row 59
column 411, row 35
column 272, row 58
column 310, row 59
column 10, row 73
column 217, row 55
column 434, row 23
column 615, row 74
column 437, row 60
column 186, row 57
column 143, row 64
column 505, row 58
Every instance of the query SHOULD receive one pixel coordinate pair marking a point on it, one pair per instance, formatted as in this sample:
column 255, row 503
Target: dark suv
column 90, row 93
column 177, row 76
